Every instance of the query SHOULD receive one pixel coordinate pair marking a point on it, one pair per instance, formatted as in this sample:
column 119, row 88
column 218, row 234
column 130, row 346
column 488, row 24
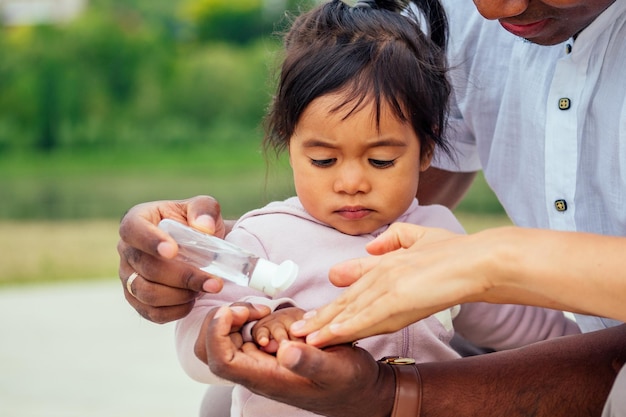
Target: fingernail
column 334, row 328
column 166, row 250
column 220, row 312
column 205, row 222
column 309, row 314
column 238, row 309
column 297, row 325
column 290, row 357
column 211, row 286
column 312, row 336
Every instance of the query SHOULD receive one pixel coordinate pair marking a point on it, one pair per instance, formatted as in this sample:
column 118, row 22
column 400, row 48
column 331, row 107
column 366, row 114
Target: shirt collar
column 602, row 23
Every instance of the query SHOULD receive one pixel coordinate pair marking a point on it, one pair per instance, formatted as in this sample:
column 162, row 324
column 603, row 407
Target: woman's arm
column 570, row 271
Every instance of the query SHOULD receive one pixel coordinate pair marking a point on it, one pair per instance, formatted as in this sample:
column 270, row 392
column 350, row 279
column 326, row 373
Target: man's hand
column 162, row 290
column 339, row 381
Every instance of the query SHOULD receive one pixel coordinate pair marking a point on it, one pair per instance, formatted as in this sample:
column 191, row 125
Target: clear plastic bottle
column 228, row 261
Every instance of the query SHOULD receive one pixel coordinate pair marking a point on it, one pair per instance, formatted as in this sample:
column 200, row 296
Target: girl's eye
column 323, row 163
column 377, row 163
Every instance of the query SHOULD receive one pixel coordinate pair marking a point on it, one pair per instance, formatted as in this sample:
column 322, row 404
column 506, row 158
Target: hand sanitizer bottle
column 230, row 262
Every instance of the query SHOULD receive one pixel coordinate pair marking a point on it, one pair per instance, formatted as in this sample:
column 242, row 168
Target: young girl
column 360, row 107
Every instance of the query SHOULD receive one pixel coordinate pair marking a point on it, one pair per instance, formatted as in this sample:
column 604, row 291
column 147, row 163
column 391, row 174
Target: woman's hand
column 419, row 272
column 161, row 290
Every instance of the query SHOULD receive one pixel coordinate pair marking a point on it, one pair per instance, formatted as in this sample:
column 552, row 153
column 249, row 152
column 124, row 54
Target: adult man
column 545, row 120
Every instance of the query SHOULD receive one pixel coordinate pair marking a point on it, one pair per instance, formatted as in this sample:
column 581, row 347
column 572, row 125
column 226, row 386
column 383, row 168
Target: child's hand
column 271, row 330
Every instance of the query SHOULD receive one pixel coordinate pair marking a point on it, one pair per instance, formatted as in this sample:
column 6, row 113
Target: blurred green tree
column 128, row 72
column 240, row 21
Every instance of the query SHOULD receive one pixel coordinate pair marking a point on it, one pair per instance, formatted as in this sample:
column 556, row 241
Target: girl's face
column 348, row 172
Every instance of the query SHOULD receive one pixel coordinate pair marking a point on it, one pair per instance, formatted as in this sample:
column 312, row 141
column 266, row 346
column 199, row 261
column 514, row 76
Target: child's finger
column 279, row 333
column 262, row 335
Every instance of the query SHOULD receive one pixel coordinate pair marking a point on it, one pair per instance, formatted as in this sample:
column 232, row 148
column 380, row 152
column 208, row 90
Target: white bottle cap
column 271, row 278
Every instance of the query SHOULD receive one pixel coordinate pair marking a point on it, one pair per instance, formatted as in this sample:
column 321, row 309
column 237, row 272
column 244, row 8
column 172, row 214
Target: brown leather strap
column 408, row 391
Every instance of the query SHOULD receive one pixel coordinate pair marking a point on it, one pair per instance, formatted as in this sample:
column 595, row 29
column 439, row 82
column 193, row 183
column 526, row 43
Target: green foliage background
column 117, row 76
column 140, row 100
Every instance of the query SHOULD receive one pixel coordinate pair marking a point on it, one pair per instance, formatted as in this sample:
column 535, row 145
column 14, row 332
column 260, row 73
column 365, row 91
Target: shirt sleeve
column 463, row 155
column 508, row 326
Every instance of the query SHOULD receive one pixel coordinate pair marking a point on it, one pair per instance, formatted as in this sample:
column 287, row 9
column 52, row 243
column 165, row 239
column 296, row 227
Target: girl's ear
column 426, row 156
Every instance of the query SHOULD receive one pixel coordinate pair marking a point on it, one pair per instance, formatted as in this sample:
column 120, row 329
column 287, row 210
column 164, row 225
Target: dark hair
column 375, row 50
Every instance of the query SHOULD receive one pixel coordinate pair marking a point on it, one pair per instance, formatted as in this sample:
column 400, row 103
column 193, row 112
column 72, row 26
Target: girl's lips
column 525, row 31
column 353, row 213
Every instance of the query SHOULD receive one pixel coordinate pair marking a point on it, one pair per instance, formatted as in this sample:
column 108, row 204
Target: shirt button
column 568, row 48
column 564, row 103
column 560, row 205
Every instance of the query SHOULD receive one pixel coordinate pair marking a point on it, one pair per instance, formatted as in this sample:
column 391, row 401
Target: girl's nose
column 351, row 179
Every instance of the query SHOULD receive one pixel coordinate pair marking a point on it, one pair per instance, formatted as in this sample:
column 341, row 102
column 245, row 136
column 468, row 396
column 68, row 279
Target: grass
column 105, row 184
column 46, row 251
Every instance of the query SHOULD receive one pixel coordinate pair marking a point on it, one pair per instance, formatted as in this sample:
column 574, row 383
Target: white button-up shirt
column 547, row 124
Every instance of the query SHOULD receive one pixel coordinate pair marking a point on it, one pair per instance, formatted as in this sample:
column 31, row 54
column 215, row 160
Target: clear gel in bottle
column 227, row 261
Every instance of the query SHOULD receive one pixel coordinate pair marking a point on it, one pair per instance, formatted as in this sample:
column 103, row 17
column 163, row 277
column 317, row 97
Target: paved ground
column 78, row 350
